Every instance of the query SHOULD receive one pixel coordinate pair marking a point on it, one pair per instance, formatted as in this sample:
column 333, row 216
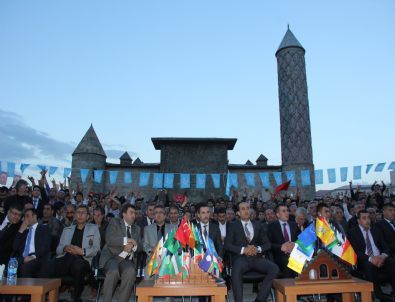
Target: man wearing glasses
column 78, row 244
column 9, row 226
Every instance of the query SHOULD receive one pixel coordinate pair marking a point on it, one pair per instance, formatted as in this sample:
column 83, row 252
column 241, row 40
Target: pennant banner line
column 227, row 180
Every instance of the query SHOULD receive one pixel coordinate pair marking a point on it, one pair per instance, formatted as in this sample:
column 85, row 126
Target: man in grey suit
column 154, row 232
column 118, row 258
column 78, row 244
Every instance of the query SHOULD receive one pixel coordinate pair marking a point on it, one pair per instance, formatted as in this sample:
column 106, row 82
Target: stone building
column 210, row 155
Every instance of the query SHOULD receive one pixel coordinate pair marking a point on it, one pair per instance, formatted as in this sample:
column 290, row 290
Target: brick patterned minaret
column 296, row 147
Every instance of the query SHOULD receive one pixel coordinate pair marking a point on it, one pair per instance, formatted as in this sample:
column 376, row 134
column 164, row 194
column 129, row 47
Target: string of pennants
column 166, row 180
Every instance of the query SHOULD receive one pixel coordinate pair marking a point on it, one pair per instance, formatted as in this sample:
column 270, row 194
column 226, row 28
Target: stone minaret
column 89, row 154
column 296, row 148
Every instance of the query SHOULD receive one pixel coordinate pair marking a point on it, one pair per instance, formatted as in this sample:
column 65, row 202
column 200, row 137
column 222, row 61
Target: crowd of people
column 56, row 232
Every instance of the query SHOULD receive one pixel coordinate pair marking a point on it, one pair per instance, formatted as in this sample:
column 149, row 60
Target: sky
column 172, row 68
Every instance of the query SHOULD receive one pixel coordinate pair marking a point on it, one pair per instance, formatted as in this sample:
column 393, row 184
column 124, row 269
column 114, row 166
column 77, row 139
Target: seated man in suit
column 282, row 235
column 78, row 244
column 9, row 226
column 372, row 252
column 157, row 230
column 54, row 225
column 387, row 226
column 32, row 244
column 247, row 241
column 208, row 228
column 123, row 241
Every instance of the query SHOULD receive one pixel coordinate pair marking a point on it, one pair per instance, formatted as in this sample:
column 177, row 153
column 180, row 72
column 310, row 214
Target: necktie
column 27, row 244
column 35, row 202
column 247, row 231
column 393, row 224
column 160, row 232
column 205, row 231
column 129, row 233
column 369, row 249
column 286, row 235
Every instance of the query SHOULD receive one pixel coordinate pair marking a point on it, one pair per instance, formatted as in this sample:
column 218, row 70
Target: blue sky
column 142, row 69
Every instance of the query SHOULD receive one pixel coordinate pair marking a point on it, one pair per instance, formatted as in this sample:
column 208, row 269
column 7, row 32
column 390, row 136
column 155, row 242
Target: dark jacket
column 357, row 240
column 236, row 239
column 215, row 235
column 7, row 236
column 42, row 243
column 388, row 234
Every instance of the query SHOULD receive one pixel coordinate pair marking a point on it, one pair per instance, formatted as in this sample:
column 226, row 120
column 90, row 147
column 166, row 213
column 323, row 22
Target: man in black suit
column 282, row 235
column 387, row 226
column 39, row 198
column 247, row 241
column 207, row 228
column 9, row 226
column 372, row 252
column 32, row 244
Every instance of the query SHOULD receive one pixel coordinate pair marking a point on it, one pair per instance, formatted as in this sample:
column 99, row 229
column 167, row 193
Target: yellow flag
column 349, row 254
column 296, row 260
column 154, row 262
column 324, row 231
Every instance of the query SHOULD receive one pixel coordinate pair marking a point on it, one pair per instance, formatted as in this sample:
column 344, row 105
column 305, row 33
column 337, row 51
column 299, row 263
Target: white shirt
column 251, row 230
column 5, row 222
column 149, row 221
column 125, row 254
column 375, row 250
column 222, row 228
column 32, row 248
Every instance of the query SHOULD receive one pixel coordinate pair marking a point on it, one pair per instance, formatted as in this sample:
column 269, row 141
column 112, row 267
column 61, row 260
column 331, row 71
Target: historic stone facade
column 210, row 155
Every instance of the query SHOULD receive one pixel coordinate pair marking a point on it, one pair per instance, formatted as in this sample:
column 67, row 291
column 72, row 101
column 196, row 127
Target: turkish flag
column 282, row 187
column 179, row 197
column 183, row 232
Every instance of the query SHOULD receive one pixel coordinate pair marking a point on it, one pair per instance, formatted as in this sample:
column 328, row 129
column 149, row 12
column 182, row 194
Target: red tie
column 286, row 236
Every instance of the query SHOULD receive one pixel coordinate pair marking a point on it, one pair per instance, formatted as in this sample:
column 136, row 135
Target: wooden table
column 36, row 288
column 287, row 290
column 146, row 291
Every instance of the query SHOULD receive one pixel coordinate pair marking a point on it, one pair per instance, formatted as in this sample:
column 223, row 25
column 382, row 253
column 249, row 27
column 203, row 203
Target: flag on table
column 155, row 261
column 296, row 260
column 191, row 239
column 198, row 249
column 186, row 264
column 171, row 243
column 343, row 249
column 283, row 187
column 308, row 236
column 307, row 250
column 324, row 231
column 183, row 232
column 171, row 264
column 210, row 262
